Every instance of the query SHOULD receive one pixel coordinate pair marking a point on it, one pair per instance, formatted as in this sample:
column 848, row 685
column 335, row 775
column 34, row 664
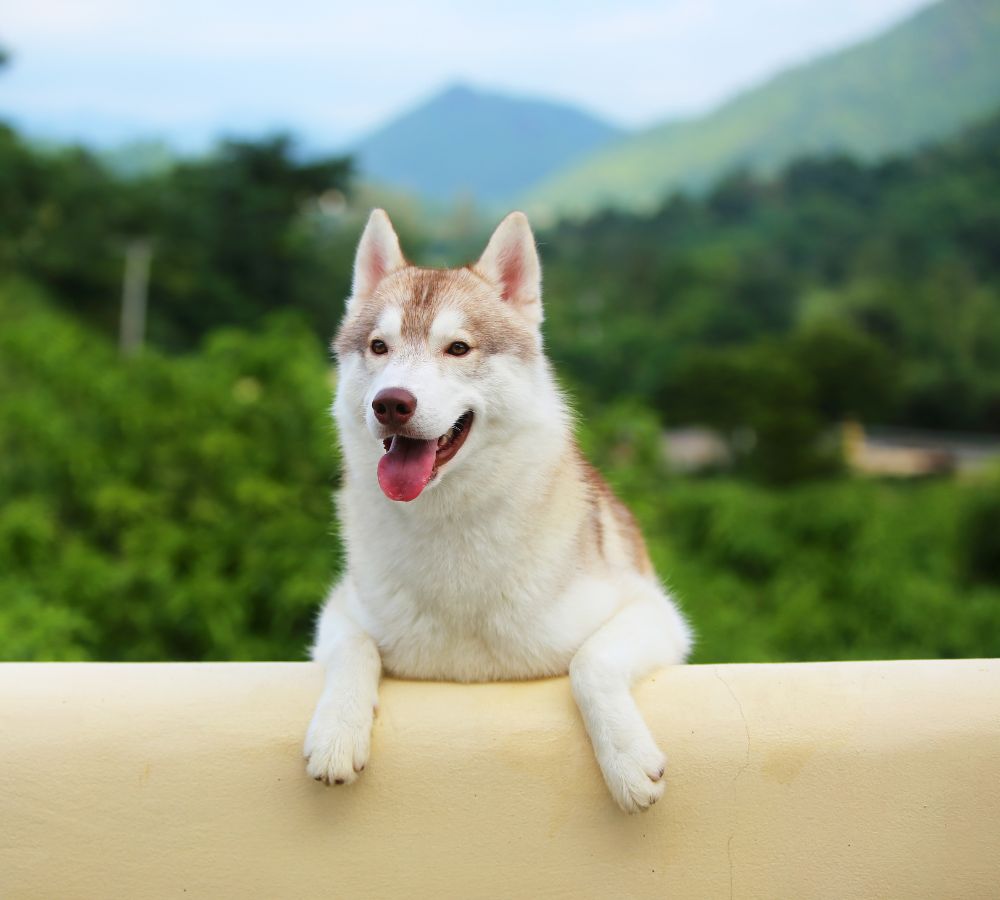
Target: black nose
column 394, row 406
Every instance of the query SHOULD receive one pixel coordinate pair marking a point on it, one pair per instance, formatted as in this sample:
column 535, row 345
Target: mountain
column 923, row 79
column 468, row 142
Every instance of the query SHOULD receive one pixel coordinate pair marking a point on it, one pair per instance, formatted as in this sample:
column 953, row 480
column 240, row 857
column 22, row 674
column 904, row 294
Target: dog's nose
column 394, row 406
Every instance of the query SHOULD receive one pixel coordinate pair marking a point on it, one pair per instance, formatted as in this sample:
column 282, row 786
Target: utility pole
column 135, row 286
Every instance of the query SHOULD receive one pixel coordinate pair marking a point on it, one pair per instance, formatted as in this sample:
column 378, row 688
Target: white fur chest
column 476, row 596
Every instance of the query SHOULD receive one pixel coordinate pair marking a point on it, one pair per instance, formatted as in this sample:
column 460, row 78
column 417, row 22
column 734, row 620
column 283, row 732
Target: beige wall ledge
column 785, row 781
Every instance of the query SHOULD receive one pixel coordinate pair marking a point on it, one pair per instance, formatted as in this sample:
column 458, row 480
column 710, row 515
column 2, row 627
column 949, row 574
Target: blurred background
column 770, row 234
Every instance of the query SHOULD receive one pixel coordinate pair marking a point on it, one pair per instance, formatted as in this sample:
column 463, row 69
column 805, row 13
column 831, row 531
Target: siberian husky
column 480, row 544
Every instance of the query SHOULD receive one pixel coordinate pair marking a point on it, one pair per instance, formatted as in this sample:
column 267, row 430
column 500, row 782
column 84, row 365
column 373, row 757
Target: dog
column 480, row 544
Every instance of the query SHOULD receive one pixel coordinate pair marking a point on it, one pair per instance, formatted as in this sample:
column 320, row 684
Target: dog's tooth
column 442, row 440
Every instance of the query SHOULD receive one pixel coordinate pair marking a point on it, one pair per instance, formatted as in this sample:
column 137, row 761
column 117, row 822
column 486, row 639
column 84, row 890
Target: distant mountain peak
column 458, row 90
column 468, row 141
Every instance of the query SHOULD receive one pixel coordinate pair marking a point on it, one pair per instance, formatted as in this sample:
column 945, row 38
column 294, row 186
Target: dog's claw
column 337, row 743
column 633, row 770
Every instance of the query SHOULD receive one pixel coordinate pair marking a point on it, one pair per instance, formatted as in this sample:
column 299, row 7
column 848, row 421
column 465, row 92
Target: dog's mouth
column 410, row 463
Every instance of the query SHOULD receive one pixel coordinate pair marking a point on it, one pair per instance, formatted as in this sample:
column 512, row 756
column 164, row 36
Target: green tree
column 229, row 240
column 161, row 507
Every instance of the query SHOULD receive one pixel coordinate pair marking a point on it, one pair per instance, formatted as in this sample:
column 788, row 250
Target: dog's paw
column 633, row 768
column 338, row 742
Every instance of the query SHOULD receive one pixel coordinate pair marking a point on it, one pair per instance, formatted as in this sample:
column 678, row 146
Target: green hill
column 467, row 142
column 923, row 79
column 878, row 283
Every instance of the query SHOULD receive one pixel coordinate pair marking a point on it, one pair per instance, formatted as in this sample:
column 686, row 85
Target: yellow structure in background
column 910, row 453
column 836, row 780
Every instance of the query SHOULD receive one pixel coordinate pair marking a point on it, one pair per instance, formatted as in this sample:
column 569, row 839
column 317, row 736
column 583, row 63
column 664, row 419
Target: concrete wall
column 785, row 781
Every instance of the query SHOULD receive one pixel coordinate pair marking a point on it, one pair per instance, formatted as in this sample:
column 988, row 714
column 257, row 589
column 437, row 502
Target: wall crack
column 746, row 726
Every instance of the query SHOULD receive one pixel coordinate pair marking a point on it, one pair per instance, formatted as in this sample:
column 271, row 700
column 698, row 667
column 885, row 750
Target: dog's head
column 432, row 362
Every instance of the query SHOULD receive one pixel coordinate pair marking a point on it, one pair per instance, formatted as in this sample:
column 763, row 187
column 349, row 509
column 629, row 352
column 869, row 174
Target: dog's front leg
column 641, row 637
column 339, row 737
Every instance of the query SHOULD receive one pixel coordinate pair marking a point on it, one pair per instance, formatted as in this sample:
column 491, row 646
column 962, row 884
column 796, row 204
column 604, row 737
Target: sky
column 187, row 71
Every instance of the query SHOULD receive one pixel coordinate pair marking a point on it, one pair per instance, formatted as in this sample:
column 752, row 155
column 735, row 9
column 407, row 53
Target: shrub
column 161, row 508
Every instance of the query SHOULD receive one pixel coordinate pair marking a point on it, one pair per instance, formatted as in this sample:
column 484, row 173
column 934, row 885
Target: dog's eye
column 378, row 347
column 458, row 348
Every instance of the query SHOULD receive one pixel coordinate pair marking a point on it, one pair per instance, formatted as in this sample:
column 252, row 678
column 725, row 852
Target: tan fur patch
column 355, row 329
column 607, row 511
column 631, row 533
column 426, row 294
column 495, row 327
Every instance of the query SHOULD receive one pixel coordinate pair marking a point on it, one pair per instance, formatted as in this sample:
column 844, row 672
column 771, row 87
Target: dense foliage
column 835, row 289
column 161, row 508
column 828, row 569
column 177, row 505
column 235, row 235
column 179, row 508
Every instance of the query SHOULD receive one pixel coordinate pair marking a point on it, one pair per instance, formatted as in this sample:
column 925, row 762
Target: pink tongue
column 405, row 470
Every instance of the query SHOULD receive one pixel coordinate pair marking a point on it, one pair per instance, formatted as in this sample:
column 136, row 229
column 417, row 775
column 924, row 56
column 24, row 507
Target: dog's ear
column 510, row 261
column 378, row 255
